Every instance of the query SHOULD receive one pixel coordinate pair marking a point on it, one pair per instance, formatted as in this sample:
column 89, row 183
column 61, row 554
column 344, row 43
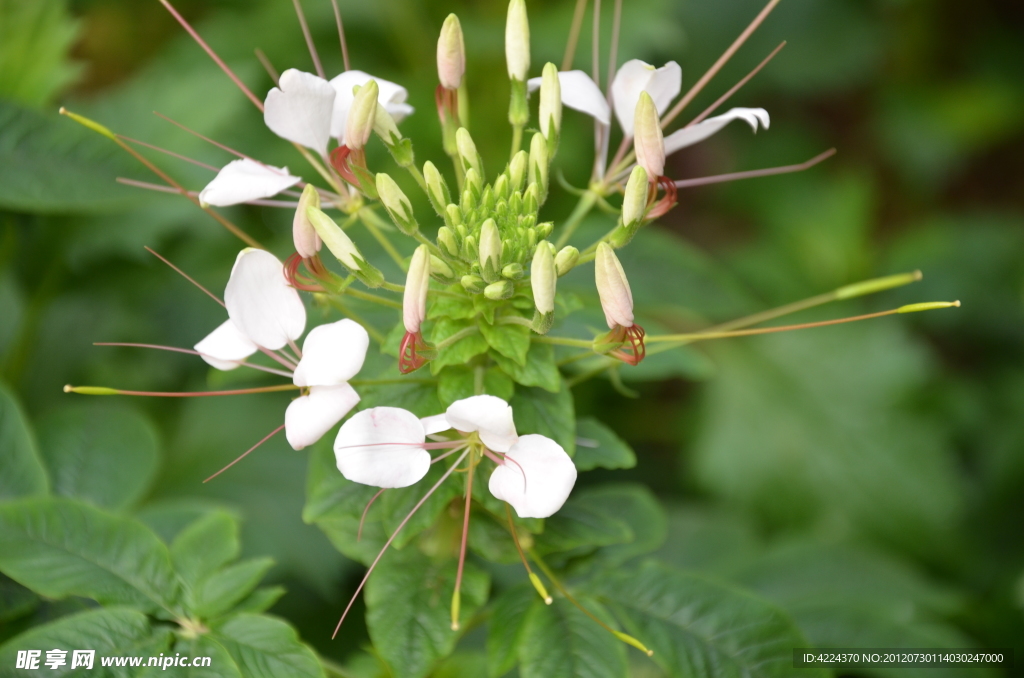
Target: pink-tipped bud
column 417, row 282
column 307, row 242
column 451, row 54
column 362, row 116
column 648, row 139
column 613, row 288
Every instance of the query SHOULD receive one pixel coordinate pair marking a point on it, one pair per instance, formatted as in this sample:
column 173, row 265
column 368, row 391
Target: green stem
column 392, row 287
column 380, row 382
column 373, row 224
column 418, row 176
column 517, row 139
column 564, row 341
column 583, row 207
column 514, row 320
column 458, row 336
column 367, row 296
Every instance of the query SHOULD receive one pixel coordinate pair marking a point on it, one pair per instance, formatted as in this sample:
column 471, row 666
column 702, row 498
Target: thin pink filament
column 359, row 534
column 246, row 453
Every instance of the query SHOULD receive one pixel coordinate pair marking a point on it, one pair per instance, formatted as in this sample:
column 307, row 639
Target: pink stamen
column 341, row 35
column 409, row 359
column 211, row 141
column 637, row 351
column 753, row 174
column 667, row 202
column 309, row 39
column 735, row 88
column 505, row 458
column 246, row 453
column 423, row 446
column 285, row 204
column 359, row 534
column 175, row 349
column 392, row 538
column 170, row 153
column 203, row 394
column 445, row 455
column 340, row 162
column 295, row 279
column 185, row 276
column 213, row 55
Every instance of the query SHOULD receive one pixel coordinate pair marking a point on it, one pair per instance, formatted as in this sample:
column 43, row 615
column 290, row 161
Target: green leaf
column 459, row 307
column 209, row 543
column 459, row 381
column 550, row 414
column 462, row 664
column 540, row 368
column 636, row 506
column 701, row 629
column 265, row 647
column 112, row 631
column 559, row 640
column 35, row 39
column 597, row 446
column 51, row 165
column 394, row 505
column 508, row 618
column 103, row 455
column 408, row 600
column 511, row 341
column 23, row 472
column 260, row 600
column 582, row 524
column 59, row 548
column 219, row 592
column 462, row 350
column 15, row 600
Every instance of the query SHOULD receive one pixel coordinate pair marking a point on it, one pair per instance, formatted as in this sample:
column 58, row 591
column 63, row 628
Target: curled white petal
column 332, row 354
column 390, row 95
column 688, row 136
column 489, row 415
column 225, row 346
column 261, row 302
column 580, row 93
column 635, row 76
column 435, row 424
column 535, row 478
column 299, row 109
column 309, row 417
column 244, row 180
column 382, row 447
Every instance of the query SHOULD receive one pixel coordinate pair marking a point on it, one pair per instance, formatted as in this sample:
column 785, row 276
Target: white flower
column 299, row 109
column 635, row 77
column 579, row 93
column 389, row 95
column 688, row 136
column 265, row 312
column 244, row 180
column 385, row 447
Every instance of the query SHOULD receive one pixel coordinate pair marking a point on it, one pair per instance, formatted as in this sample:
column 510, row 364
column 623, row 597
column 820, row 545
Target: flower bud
column 385, row 127
column 490, row 250
column 613, row 288
column 440, row 271
column 473, row 183
column 362, row 115
column 447, row 242
column 502, row 289
column 437, row 189
column 470, row 251
column 453, row 216
column 531, row 201
column 566, row 259
column 647, row 138
column 472, row 284
column 544, row 229
column 517, row 41
column 397, row 204
column 342, row 247
column 517, row 170
column 539, row 164
column 512, row 271
column 550, row 103
column 501, row 188
column 451, row 54
column 417, row 282
column 634, row 204
column 543, row 275
column 307, row 242
column 468, row 154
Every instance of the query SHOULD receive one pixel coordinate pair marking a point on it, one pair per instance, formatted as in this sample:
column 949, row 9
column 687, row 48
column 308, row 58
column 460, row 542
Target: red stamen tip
column 339, row 161
column 667, row 202
column 298, row 281
column 636, row 351
column 409, row 358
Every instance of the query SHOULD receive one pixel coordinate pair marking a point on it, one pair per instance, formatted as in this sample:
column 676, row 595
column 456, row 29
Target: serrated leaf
column 222, row 589
column 597, row 446
column 636, row 506
column 462, row 350
column 103, row 455
column 508, row 617
column 408, row 600
column 265, row 647
column 112, row 631
column 699, row 628
column 59, row 547
column 550, row 414
column 456, row 307
column 540, row 368
column 23, row 472
column 511, row 341
column 206, row 545
column 580, row 524
column 394, row 505
column 559, row 640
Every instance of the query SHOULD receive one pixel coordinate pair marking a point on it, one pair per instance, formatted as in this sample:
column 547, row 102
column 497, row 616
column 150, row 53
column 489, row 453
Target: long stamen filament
column 735, row 88
column 103, row 390
column 175, row 349
column 534, row 579
column 362, row 519
column 457, row 594
column 574, row 34
column 246, row 453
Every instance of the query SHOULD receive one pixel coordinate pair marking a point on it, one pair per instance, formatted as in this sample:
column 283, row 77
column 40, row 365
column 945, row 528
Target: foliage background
column 868, row 479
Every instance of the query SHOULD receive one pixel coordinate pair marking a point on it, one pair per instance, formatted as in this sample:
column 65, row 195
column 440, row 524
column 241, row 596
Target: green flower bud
column 362, row 116
column 512, row 271
column 342, row 247
column 307, row 242
column 634, row 203
column 397, row 204
column 544, row 229
column 490, row 250
column 453, row 216
column 497, row 291
column 550, row 104
column 437, row 188
column 468, row 154
column 531, row 200
column 501, row 190
column 566, row 260
column 539, row 163
column 517, row 41
column 441, row 271
column 472, row 284
column 517, row 170
column 447, row 242
column 470, row 251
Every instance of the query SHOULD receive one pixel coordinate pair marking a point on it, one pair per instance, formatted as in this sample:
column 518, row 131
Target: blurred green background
column 868, row 478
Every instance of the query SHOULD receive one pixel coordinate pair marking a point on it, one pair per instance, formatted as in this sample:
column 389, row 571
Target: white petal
column 635, row 76
column 390, row 95
column 489, row 415
column 225, row 346
column 332, row 354
column 688, row 136
column 381, row 447
column 300, row 109
column 536, row 477
column 244, row 180
column 309, row 417
column 261, row 302
column 579, row 92
column 435, row 424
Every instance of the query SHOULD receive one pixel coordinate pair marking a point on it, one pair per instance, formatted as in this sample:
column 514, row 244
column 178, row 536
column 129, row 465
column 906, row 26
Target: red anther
column 339, row 161
column 667, row 202
column 301, row 282
column 637, row 351
column 409, row 358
